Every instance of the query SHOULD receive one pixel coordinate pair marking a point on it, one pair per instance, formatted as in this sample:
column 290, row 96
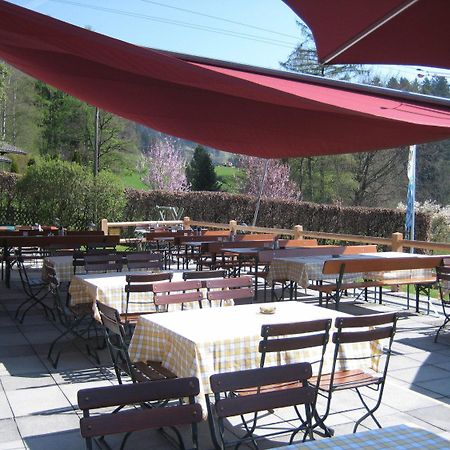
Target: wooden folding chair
column 103, row 263
column 141, row 371
column 286, row 340
column 177, row 292
column 228, row 404
column 229, row 289
column 204, row 274
column 141, row 284
column 77, row 320
column 131, row 413
column 370, row 331
column 144, row 260
column 443, row 280
column 35, row 291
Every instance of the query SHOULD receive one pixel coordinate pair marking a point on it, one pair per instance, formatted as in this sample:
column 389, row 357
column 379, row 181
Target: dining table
column 206, row 341
column 398, row 437
column 109, row 288
column 303, row 269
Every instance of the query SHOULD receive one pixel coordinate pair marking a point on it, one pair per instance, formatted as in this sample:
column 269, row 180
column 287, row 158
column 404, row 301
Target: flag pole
column 410, row 222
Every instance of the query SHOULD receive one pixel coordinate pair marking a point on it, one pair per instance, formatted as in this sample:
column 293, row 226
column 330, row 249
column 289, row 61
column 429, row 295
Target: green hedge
column 222, row 207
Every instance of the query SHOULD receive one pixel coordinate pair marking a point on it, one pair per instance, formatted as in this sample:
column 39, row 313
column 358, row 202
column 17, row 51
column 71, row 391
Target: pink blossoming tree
column 166, row 166
column 277, row 183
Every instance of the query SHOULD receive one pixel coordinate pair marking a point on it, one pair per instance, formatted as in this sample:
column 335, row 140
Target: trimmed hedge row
column 221, row 207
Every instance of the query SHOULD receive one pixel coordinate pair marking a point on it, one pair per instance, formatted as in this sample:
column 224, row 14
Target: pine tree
column 200, row 171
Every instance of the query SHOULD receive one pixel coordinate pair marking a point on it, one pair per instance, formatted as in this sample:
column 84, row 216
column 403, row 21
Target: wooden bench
column 376, row 264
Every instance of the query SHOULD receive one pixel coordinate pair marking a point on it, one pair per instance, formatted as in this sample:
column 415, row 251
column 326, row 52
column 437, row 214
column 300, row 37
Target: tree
column 166, row 166
column 277, row 183
column 62, row 122
column 69, row 192
column 304, row 59
column 116, row 141
column 357, row 179
column 200, row 171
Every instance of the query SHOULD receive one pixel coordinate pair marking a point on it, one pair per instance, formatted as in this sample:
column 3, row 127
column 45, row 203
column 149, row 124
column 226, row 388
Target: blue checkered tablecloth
column 400, row 437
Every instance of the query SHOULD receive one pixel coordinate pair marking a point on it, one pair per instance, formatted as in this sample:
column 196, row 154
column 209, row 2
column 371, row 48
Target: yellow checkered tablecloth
column 303, row 269
column 109, row 288
column 402, row 437
column 203, row 342
column 63, row 266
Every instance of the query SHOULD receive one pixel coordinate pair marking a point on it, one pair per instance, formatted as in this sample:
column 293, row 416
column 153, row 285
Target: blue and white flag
column 411, row 195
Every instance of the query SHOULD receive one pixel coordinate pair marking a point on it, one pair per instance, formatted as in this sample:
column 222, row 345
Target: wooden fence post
column 104, row 226
column 396, row 244
column 233, row 225
column 298, row 232
column 186, row 223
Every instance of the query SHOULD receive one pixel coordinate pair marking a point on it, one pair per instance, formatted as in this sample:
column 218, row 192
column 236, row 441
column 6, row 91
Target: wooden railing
column 395, row 242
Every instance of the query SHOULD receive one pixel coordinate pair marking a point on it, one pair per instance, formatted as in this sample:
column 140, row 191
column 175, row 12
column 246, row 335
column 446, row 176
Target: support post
column 233, row 226
column 186, row 223
column 396, row 244
column 104, row 226
column 298, row 232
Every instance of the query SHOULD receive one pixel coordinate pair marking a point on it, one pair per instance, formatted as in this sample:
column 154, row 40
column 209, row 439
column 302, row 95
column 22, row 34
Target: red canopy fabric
column 244, row 110
column 390, row 31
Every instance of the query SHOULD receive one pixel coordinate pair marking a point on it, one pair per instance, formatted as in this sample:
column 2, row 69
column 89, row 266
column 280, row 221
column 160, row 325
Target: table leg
column 255, row 297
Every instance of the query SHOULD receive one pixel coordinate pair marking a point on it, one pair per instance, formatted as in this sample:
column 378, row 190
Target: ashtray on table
column 267, row 309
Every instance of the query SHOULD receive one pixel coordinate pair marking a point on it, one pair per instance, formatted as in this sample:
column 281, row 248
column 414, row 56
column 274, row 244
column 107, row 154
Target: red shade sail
column 379, row 31
column 239, row 109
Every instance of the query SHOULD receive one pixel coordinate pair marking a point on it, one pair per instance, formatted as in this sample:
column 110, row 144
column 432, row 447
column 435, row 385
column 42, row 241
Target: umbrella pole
column 261, row 189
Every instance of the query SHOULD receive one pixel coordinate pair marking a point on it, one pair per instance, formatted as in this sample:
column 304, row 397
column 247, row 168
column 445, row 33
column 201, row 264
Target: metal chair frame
column 115, row 337
column 375, row 327
column 443, row 276
column 141, row 283
column 228, row 404
column 140, row 417
column 77, row 320
column 36, row 292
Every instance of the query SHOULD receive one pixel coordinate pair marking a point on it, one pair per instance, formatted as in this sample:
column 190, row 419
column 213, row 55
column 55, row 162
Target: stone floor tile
column 429, row 357
column 15, row 350
column 425, row 372
column 32, row 381
column 21, row 365
column 43, row 401
column 400, row 362
column 51, row 432
column 441, row 386
column 438, row 416
column 9, row 432
column 5, row 409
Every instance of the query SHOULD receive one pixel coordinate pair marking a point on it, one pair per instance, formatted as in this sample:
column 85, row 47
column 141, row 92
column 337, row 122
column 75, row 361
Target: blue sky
column 256, row 32
column 154, row 25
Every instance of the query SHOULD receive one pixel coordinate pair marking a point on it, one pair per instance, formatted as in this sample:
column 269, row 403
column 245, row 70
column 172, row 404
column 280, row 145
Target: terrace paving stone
column 438, row 416
column 38, row 402
column 33, row 381
column 5, row 409
column 9, row 434
column 43, row 401
column 51, row 432
column 441, row 386
column 425, row 372
column 21, row 365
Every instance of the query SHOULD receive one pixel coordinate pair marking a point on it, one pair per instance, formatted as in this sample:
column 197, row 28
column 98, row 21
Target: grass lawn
column 229, row 178
column 133, row 180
